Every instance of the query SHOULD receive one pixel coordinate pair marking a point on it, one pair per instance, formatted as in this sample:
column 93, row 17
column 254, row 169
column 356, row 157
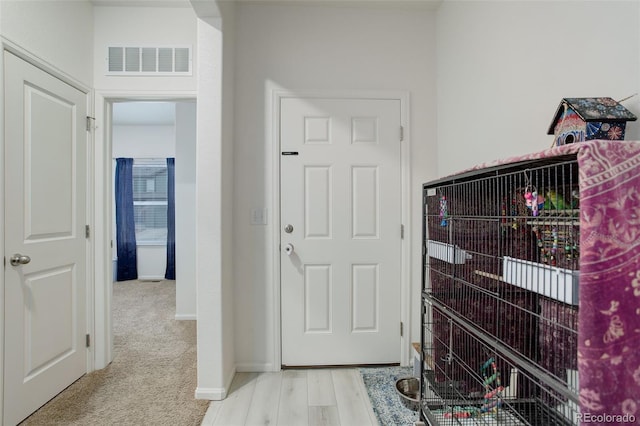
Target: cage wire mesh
column 500, row 297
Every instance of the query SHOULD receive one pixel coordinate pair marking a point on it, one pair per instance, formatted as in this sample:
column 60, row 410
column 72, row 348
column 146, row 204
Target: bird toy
column 492, row 399
column 444, row 214
column 533, row 200
column 461, row 413
column 554, row 245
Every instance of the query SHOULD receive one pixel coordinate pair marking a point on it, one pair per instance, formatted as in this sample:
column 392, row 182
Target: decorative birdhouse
column 583, row 119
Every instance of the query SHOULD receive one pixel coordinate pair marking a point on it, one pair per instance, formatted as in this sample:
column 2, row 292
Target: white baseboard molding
column 150, row 278
column 256, row 368
column 185, row 317
column 215, row 394
column 212, row 394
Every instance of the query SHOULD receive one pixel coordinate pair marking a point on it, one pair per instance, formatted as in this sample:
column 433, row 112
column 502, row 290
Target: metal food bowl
column 408, row 389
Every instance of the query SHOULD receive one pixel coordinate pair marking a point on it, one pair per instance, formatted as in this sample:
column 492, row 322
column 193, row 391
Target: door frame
column 273, row 109
column 103, row 188
column 8, row 46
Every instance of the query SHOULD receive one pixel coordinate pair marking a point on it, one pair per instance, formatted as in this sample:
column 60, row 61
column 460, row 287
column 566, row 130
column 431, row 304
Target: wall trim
column 215, row 394
column 155, row 278
column 212, row 394
column 256, row 367
column 273, row 133
column 185, row 317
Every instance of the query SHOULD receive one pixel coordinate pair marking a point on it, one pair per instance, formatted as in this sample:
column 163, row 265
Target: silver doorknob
column 288, row 229
column 19, row 259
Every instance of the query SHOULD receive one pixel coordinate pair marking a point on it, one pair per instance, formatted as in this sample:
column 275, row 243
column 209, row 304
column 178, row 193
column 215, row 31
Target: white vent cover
column 148, row 60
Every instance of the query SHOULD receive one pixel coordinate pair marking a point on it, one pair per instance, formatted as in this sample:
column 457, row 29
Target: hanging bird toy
column 444, row 214
column 533, row 200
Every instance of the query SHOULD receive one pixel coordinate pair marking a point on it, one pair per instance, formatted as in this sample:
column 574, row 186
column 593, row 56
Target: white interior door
column 45, row 217
column 341, row 215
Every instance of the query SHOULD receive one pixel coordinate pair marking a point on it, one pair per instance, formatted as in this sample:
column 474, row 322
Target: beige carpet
column 152, row 378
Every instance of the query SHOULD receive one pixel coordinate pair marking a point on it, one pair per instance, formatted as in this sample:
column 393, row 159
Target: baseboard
column 150, row 278
column 185, row 317
column 215, row 394
column 256, row 368
column 212, row 394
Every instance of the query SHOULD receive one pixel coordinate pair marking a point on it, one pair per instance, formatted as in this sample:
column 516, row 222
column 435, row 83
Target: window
column 150, row 201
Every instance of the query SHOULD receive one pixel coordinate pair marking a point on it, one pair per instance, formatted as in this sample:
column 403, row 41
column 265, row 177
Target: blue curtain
column 125, row 223
column 170, row 273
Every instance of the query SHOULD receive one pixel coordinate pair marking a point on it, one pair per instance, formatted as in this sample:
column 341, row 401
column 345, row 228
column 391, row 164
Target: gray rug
column 152, row 378
column 381, row 388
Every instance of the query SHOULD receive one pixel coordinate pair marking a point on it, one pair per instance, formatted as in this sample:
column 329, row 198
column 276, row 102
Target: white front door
column 45, row 215
column 340, row 237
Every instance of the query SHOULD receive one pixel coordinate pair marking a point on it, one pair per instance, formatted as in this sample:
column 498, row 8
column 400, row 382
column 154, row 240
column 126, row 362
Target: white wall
column 144, row 141
column 297, row 47
column 155, row 26
column 30, row 24
column 216, row 328
column 228, row 241
column 503, row 68
column 185, row 179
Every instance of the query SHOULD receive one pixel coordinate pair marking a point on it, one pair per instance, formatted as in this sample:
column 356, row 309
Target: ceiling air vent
column 148, row 60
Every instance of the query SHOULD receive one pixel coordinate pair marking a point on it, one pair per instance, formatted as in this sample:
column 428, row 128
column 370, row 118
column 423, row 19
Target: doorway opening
column 149, row 133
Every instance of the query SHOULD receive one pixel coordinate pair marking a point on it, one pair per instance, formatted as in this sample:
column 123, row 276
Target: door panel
column 364, row 214
column 340, row 286
column 365, row 308
column 45, row 217
column 317, row 202
column 317, row 301
column 49, row 210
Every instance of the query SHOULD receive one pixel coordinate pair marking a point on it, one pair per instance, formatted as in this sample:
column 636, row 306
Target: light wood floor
column 318, row 397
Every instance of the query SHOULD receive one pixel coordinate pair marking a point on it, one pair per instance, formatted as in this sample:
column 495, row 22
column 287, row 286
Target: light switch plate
column 259, row 216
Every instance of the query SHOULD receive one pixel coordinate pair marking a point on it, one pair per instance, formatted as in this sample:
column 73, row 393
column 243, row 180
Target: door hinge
column 88, row 340
column 90, row 121
column 401, row 329
column 87, row 231
column 402, row 232
column 401, row 133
